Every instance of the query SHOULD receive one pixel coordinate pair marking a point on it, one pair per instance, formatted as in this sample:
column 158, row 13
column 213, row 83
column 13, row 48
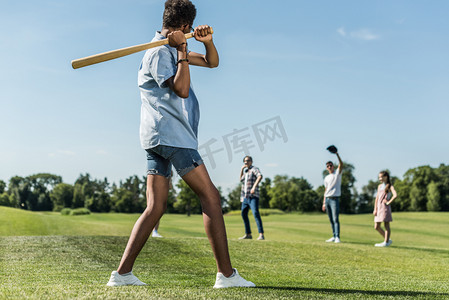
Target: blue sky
column 370, row 77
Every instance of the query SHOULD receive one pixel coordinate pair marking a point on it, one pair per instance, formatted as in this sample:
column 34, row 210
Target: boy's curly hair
column 178, row 13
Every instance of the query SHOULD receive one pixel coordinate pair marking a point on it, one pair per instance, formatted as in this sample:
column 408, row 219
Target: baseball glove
column 332, row 149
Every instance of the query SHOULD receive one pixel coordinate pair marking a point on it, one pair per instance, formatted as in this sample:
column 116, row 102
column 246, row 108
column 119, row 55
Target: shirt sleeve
column 257, row 172
column 338, row 172
column 162, row 66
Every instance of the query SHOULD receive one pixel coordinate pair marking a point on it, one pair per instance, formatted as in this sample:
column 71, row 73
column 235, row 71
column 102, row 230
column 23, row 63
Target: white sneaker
column 389, row 242
column 156, row 234
column 383, row 244
column 337, row 240
column 234, row 281
column 332, row 239
column 120, row 280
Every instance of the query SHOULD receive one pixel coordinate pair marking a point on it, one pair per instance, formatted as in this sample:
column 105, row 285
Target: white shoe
column 337, row 240
column 389, row 242
column 383, row 244
column 156, row 234
column 332, row 239
column 234, row 281
column 120, row 280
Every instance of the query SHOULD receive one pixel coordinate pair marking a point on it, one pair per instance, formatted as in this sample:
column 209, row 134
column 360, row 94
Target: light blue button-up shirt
column 165, row 118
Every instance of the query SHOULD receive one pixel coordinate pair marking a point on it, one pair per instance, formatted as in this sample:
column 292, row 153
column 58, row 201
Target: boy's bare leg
column 157, row 193
column 199, row 181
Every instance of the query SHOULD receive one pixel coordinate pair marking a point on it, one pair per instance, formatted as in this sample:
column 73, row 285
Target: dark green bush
column 80, row 211
column 66, row 211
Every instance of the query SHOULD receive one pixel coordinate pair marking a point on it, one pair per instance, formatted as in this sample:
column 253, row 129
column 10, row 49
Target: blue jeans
column 333, row 210
column 161, row 158
column 252, row 203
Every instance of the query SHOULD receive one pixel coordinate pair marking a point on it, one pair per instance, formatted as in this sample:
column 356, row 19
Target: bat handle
column 192, row 34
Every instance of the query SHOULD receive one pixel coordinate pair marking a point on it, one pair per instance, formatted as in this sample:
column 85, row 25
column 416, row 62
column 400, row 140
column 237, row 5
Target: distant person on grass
column 168, row 133
column 155, row 232
column 382, row 209
column 250, row 177
column 331, row 199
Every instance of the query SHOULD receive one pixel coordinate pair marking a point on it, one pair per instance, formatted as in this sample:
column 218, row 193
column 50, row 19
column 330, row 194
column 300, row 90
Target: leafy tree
column 280, row 192
column 433, row 196
column 233, row 202
column 62, row 196
column 78, row 196
column 20, row 189
column 292, row 194
column 320, row 193
column 309, row 201
column 4, row 199
column 443, row 175
column 418, row 179
column 264, row 188
column 129, row 197
column 402, row 203
column 93, row 194
column 171, row 199
column 2, row 186
column 365, row 203
column 99, row 202
column 40, row 186
column 188, row 202
column 223, row 201
column 4, row 196
column 122, row 200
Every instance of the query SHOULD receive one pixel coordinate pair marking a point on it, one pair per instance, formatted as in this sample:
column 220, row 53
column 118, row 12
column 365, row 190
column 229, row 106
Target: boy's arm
column 210, row 59
column 180, row 83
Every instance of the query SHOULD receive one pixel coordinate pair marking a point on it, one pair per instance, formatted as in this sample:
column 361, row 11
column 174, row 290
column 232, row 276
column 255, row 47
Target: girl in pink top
column 382, row 209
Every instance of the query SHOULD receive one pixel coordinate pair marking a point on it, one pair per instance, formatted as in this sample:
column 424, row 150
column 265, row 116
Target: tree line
column 422, row 189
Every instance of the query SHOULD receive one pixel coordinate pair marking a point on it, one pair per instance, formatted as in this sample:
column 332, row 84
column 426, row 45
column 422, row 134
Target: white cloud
column 341, row 31
column 360, row 34
column 364, row 34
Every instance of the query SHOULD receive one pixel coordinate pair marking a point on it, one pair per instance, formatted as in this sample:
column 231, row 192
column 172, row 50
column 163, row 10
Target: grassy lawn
column 48, row 256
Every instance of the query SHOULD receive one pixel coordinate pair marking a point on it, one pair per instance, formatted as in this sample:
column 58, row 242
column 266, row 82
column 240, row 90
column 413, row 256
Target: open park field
column 50, row 256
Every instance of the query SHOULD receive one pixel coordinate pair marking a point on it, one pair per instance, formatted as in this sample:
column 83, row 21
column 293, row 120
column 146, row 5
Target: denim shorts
column 161, row 158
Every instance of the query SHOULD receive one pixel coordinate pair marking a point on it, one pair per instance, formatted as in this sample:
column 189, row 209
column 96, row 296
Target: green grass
column 48, row 256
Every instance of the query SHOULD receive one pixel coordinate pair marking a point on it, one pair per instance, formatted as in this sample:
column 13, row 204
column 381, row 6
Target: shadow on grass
column 396, row 246
column 346, row 291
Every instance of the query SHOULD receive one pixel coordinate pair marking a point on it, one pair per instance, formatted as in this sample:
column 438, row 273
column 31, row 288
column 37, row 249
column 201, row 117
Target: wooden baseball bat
column 105, row 56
